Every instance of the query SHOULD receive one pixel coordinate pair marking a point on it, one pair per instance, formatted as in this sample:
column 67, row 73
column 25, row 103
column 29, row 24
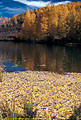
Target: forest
column 59, row 24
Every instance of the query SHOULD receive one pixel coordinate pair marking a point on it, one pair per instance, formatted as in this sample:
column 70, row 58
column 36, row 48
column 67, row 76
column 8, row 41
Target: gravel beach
column 51, row 92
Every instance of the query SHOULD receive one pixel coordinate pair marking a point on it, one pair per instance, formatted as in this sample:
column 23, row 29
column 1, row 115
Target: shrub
column 29, row 112
column 77, row 114
column 1, row 75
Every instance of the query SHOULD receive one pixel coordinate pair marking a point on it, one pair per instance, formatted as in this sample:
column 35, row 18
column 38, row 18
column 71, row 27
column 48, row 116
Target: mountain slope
column 8, row 8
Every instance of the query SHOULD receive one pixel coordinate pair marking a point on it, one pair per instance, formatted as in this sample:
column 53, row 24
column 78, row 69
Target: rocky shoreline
column 53, row 93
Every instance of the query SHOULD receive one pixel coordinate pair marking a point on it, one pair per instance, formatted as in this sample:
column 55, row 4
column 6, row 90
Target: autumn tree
column 28, row 27
column 52, row 23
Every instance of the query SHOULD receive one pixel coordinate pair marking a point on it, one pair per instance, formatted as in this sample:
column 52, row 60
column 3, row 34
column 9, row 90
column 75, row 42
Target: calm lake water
column 23, row 56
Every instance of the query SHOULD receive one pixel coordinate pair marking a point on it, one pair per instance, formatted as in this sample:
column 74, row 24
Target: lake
column 38, row 57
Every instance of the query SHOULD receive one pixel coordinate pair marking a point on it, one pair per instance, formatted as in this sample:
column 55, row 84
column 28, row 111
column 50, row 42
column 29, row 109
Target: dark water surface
column 23, row 56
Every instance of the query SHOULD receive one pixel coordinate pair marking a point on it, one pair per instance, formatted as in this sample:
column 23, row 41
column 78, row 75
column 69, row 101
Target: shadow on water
column 37, row 57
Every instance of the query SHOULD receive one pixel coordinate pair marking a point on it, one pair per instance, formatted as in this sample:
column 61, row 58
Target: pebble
column 50, row 91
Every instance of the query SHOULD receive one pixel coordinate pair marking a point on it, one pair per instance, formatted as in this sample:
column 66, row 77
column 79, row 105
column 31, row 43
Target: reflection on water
column 10, row 67
column 41, row 57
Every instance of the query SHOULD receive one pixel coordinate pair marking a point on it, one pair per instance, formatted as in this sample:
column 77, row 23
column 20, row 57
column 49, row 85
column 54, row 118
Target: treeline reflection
column 42, row 57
